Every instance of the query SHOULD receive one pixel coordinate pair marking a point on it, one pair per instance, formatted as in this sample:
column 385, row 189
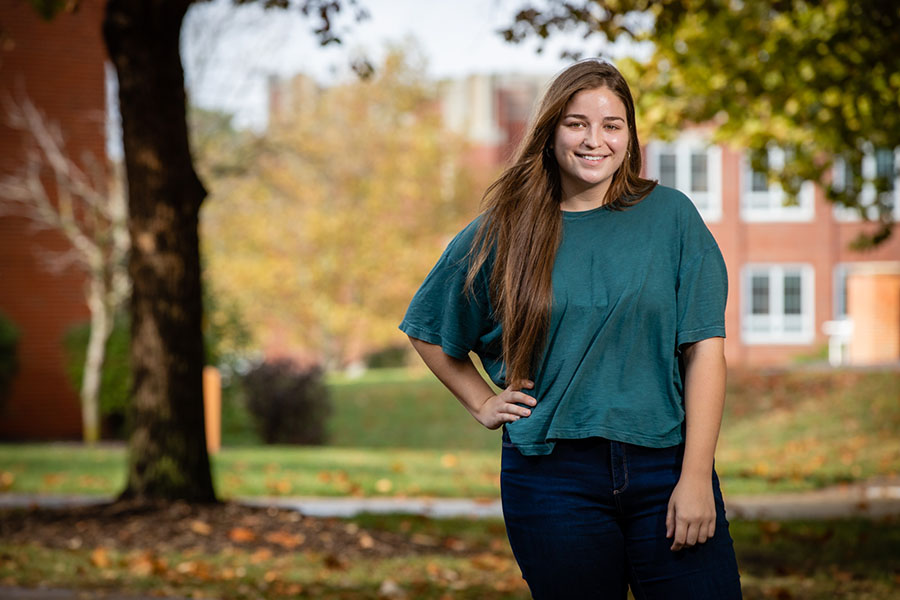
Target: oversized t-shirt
column 630, row 287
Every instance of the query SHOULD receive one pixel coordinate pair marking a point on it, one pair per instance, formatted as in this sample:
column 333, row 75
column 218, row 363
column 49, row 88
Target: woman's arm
column 691, row 517
column 465, row 382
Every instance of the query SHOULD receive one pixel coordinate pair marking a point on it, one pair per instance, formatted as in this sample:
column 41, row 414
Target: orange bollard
column 212, row 408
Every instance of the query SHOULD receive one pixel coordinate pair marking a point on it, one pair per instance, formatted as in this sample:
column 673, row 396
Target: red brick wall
column 60, row 66
column 821, row 243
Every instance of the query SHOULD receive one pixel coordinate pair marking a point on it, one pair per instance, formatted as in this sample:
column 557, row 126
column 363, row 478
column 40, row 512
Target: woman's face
column 590, row 142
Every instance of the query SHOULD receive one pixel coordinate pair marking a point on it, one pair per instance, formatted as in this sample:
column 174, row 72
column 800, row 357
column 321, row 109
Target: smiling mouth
column 590, row 157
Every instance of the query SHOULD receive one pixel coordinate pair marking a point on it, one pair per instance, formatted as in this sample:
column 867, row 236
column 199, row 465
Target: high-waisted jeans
column 589, row 520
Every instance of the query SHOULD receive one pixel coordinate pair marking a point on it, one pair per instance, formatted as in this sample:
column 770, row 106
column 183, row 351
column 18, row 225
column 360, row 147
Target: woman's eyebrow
column 584, row 117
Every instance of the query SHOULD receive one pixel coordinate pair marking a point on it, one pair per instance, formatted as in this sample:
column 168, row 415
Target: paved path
column 872, row 499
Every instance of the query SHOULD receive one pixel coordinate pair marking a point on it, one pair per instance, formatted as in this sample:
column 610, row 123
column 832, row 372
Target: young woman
column 595, row 300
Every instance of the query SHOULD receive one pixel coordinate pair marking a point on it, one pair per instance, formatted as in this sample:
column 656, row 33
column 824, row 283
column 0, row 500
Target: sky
column 229, row 51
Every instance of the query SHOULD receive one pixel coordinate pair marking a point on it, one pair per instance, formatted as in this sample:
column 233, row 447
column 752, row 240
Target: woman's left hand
column 691, row 517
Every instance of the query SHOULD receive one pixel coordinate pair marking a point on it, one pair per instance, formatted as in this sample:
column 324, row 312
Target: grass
column 393, row 432
column 850, row 559
column 805, row 430
column 415, row 411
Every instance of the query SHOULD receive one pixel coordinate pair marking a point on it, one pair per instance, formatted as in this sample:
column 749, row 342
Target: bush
column 115, row 381
column 289, row 404
column 9, row 362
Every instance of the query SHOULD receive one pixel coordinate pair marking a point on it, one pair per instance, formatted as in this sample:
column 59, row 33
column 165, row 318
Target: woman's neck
column 588, row 198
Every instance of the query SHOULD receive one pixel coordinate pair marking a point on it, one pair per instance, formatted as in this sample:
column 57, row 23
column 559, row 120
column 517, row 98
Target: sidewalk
column 874, row 499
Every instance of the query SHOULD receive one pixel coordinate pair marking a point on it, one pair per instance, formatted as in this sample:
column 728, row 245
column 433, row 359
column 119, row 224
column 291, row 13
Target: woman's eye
column 612, row 128
column 576, row 125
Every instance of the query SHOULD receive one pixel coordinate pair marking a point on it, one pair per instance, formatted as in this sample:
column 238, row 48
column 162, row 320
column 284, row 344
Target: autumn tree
column 350, row 198
column 820, row 80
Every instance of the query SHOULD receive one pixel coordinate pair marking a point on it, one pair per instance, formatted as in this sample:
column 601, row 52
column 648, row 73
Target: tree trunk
column 101, row 327
column 167, row 450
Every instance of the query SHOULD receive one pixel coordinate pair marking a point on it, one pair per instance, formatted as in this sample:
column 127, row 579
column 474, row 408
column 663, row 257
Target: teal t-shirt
column 630, row 288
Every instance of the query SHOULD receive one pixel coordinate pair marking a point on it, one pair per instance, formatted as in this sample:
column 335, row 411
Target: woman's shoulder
column 673, row 202
column 670, row 197
column 461, row 244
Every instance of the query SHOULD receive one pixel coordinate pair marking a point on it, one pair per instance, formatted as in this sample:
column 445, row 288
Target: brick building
column 790, row 268
column 59, row 66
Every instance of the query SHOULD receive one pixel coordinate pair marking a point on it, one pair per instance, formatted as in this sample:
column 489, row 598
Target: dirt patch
column 209, row 529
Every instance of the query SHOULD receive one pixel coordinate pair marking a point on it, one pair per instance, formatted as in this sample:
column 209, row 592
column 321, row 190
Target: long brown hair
column 522, row 220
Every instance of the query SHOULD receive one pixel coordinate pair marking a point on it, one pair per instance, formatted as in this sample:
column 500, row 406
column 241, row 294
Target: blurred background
column 336, row 173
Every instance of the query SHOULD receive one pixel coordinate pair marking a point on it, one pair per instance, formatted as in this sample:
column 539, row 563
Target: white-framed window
column 880, row 163
column 762, row 201
column 777, row 304
column 692, row 165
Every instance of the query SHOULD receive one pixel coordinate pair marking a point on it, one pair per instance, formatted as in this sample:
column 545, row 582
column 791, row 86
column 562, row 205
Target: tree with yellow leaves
column 344, row 204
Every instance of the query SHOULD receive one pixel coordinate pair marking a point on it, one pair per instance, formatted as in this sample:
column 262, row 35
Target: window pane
column 884, row 166
column 793, row 324
column 792, row 295
column 849, row 177
column 759, row 182
column 840, row 282
column 699, row 176
column 667, row 169
column 759, row 297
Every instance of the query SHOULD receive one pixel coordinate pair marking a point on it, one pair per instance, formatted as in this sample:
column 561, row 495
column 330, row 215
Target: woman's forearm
column 704, row 400
column 466, row 383
column 459, row 376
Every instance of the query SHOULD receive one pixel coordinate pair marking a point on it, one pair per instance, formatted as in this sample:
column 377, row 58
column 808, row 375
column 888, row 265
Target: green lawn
column 393, row 432
column 852, row 559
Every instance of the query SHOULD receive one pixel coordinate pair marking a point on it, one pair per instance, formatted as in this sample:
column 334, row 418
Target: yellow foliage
column 325, row 237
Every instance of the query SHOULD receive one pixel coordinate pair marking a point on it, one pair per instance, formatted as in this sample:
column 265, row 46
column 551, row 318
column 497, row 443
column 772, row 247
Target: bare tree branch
column 88, row 208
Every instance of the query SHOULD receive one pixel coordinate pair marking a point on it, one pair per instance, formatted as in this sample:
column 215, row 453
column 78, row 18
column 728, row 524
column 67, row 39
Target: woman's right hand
column 504, row 407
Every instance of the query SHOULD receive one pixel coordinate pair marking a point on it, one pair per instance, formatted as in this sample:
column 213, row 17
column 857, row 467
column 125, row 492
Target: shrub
column 289, row 404
column 9, row 363
column 115, row 380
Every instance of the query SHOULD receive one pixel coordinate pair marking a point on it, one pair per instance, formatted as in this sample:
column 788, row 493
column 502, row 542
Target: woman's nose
column 591, row 138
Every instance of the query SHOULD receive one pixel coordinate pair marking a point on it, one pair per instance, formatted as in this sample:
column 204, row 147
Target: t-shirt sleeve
column 702, row 283
column 442, row 312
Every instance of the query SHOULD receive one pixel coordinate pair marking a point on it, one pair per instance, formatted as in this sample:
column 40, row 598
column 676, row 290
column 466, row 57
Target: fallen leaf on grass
column 200, row 527
column 6, row 480
column 284, row 539
column 100, row 557
column 261, row 555
column 281, row 486
column 390, row 589
column 241, row 534
column 287, row 589
column 421, row 539
column 456, row 544
column 195, row 568
column 383, row 486
column 490, row 562
column 449, row 461
column 53, row 479
column 146, row 563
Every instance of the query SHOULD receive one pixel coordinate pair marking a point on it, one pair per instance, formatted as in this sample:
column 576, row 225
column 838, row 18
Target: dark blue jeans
column 589, row 520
